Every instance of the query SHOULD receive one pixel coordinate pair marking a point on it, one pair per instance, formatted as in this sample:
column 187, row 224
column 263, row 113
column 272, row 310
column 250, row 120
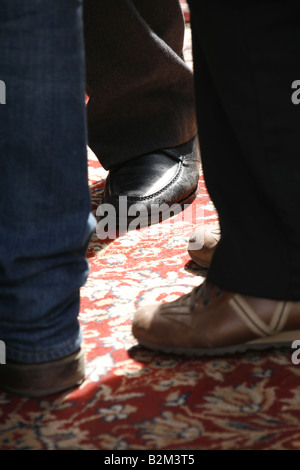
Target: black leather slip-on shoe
column 152, row 187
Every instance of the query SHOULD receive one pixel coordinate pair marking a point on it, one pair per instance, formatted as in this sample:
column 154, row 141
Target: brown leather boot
column 47, row 378
column 202, row 244
column 211, row 321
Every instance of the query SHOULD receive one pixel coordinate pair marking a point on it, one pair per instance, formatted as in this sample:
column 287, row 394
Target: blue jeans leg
column 45, row 217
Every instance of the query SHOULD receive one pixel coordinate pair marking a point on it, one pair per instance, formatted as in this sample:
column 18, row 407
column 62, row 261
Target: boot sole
column 281, row 340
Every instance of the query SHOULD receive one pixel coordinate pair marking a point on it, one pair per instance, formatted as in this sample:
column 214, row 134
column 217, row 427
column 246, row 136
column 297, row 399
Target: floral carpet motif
column 134, row 399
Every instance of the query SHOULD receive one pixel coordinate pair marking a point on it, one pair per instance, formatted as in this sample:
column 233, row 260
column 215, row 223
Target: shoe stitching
column 157, row 193
column 249, row 317
column 280, row 316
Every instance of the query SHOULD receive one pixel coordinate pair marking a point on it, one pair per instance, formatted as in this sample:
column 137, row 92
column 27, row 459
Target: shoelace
column 204, row 292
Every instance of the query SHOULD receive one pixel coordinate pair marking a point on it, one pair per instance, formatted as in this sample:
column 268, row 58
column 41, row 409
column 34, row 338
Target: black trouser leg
column 246, row 57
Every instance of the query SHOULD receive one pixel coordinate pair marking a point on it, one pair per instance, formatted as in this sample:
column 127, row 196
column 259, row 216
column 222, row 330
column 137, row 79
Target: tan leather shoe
column 211, row 321
column 47, row 378
column 202, row 244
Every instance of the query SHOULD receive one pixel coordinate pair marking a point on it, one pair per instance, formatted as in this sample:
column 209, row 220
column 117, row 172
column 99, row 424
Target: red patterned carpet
column 134, row 399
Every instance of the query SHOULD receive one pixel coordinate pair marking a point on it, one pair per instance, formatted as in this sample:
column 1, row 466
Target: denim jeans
column 45, row 217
